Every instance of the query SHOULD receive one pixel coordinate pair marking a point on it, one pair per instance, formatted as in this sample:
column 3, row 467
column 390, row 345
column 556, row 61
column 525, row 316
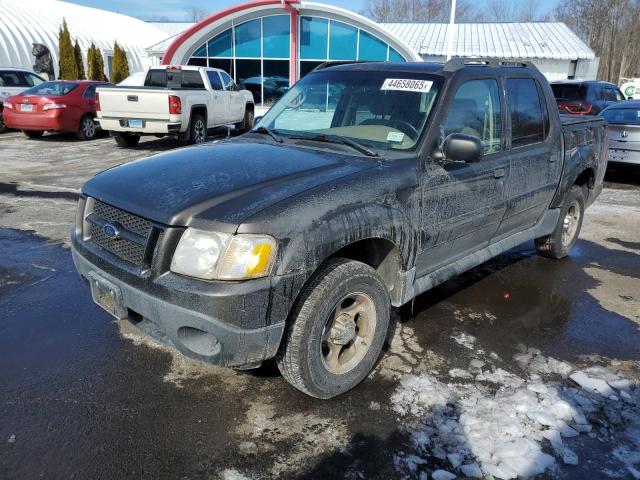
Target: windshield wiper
column 268, row 131
column 322, row 137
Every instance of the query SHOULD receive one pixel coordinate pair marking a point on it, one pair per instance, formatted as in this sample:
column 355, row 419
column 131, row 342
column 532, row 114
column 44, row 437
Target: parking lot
column 480, row 364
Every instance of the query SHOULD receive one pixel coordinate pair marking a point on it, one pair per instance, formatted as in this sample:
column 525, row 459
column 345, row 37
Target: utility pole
column 452, row 21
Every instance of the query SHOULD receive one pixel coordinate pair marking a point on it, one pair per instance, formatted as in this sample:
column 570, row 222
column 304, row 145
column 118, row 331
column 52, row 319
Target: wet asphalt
column 82, row 398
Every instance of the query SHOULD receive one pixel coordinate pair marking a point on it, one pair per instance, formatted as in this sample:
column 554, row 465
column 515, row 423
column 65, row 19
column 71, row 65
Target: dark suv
column 585, row 98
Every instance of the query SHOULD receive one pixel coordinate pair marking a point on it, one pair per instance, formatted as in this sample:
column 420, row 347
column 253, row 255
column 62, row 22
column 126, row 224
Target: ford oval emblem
column 111, row 231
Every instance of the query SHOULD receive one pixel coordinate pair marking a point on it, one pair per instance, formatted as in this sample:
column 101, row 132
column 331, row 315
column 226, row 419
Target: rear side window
column 475, row 110
column 214, row 80
column 11, row 79
column 192, row 79
column 527, row 117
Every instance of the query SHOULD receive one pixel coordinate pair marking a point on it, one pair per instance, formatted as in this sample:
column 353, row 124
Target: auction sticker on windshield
column 407, row 85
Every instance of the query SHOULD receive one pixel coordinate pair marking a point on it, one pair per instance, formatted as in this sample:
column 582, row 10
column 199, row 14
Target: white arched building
column 25, row 22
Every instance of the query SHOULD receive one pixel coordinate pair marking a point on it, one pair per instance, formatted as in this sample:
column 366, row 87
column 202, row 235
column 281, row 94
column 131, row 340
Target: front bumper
column 195, row 323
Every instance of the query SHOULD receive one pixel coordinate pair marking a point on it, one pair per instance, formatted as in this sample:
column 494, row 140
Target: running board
column 420, row 285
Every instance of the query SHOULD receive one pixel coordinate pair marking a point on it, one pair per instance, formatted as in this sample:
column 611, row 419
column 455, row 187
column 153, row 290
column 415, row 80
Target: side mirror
column 257, row 119
column 458, row 147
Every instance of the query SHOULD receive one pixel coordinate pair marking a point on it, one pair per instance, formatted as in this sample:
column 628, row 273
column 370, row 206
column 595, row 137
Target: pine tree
column 79, row 62
column 120, row 64
column 95, row 64
column 67, row 67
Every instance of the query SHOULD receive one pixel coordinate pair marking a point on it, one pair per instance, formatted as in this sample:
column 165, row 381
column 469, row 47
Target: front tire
column 126, row 140
column 559, row 243
column 337, row 329
column 33, row 133
column 87, row 129
column 247, row 121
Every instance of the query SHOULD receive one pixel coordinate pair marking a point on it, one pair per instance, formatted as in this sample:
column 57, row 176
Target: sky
column 174, row 10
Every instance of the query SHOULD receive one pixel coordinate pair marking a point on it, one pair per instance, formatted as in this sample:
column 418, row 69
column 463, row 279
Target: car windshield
column 51, row 88
column 572, row 93
column 625, row 116
column 382, row 110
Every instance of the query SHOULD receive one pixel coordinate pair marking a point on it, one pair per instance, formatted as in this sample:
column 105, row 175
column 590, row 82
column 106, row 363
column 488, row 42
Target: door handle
column 498, row 173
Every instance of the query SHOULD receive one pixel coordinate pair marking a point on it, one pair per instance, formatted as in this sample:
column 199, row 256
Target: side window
column 475, row 110
column 214, row 80
column 601, row 94
column 31, row 80
column 619, row 96
column 228, row 82
column 11, row 79
column 192, row 79
column 90, row 92
column 527, row 118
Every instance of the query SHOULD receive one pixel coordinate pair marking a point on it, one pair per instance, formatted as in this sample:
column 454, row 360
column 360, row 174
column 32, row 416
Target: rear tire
column 336, row 330
column 126, row 140
column 87, row 129
column 559, row 243
column 247, row 121
column 197, row 130
column 33, row 133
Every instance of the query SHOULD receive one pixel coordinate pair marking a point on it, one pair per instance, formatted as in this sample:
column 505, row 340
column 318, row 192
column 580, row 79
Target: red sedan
column 62, row 106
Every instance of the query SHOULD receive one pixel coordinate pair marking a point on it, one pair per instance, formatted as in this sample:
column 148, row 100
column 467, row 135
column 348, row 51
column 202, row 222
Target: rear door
column 463, row 203
column 534, row 156
column 218, row 111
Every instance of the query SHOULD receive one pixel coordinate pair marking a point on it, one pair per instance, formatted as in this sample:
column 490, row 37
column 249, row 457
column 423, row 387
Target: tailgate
column 145, row 103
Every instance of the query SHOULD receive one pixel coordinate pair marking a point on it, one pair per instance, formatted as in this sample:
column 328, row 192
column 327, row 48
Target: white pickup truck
column 182, row 101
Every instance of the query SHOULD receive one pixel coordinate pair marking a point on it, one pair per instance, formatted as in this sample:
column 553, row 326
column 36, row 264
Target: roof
column 38, row 21
column 538, row 40
column 625, row 104
column 582, row 82
column 172, row 28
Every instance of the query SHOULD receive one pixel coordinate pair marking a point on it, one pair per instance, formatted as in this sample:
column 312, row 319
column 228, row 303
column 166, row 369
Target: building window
column 256, row 53
column 343, row 42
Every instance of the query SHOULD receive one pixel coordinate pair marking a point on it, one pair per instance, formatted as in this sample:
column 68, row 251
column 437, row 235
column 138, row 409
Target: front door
column 463, row 203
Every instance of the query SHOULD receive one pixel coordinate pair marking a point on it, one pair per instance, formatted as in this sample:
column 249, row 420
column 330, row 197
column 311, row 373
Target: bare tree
column 612, row 30
column 418, row 10
column 195, row 14
column 513, row 11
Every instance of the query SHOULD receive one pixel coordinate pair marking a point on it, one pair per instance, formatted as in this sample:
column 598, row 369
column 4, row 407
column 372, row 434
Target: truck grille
column 136, row 237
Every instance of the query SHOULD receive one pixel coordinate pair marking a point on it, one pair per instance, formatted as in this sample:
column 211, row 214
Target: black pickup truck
column 362, row 187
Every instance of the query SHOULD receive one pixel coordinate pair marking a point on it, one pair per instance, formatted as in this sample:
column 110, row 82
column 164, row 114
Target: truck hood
column 216, row 186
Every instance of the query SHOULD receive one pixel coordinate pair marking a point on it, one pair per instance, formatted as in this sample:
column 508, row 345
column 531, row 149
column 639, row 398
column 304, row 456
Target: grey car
column 624, row 132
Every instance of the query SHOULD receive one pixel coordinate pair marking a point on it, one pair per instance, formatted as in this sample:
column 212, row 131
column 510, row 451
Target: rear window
column 625, row 116
column 188, row 79
column 56, row 89
column 572, row 93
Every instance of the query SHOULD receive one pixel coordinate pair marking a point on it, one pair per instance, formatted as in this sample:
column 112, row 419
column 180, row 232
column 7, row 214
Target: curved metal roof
column 25, row 22
column 538, row 40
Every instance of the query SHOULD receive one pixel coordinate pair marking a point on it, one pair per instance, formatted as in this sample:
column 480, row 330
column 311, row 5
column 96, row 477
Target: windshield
column 572, row 93
column 626, row 116
column 51, row 88
column 382, row 110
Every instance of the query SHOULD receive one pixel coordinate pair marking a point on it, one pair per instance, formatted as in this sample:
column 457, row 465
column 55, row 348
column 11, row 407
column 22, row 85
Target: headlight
column 222, row 256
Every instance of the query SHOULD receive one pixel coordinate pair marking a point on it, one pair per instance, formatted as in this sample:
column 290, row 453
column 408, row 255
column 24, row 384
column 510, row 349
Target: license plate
column 107, row 295
column 136, row 123
column 26, row 107
column 617, row 156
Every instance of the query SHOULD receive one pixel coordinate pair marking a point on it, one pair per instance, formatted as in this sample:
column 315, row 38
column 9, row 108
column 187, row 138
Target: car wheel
column 337, row 329
column 247, row 121
column 559, row 243
column 33, row 133
column 198, row 130
column 87, row 129
column 126, row 140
